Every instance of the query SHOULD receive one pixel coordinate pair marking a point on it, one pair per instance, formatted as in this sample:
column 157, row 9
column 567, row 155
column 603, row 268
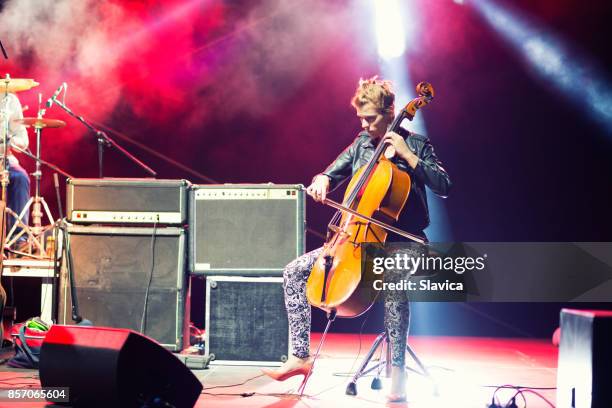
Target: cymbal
column 17, row 84
column 40, row 122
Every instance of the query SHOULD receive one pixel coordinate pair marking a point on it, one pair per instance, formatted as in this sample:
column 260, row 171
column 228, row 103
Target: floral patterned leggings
column 397, row 309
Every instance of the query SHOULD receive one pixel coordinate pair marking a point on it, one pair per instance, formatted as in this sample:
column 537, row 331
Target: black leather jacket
column 428, row 172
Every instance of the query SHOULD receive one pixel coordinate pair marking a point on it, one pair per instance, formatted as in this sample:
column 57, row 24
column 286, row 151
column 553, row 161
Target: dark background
column 258, row 91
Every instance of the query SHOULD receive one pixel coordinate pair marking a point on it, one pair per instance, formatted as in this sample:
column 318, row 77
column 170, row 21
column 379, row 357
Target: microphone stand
column 5, row 136
column 104, row 141
column 4, row 171
column 3, row 51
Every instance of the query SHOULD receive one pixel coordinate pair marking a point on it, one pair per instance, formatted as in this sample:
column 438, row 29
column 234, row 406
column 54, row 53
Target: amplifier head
column 126, row 201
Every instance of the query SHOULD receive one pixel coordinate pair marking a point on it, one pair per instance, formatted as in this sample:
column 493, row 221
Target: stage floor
column 467, row 371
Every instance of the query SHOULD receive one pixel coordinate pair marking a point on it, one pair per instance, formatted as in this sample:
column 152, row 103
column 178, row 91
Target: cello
column 374, row 198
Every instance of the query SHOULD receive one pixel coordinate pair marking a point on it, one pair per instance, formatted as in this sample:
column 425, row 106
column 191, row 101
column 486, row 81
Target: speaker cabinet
column 246, row 321
column 245, row 229
column 585, row 358
column 114, row 368
column 112, row 268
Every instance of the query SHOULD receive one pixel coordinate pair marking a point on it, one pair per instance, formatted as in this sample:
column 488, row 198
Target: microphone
column 52, row 98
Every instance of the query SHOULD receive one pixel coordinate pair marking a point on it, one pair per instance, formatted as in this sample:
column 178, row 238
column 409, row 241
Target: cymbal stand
column 4, row 175
column 36, row 232
column 5, row 131
column 25, row 228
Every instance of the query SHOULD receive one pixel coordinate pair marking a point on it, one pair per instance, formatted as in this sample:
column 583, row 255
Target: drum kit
column 26, row 240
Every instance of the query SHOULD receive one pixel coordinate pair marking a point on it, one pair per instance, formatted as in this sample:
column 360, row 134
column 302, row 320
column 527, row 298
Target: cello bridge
column 360, row 224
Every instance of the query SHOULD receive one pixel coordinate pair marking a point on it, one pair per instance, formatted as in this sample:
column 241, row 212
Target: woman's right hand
column 319, row 187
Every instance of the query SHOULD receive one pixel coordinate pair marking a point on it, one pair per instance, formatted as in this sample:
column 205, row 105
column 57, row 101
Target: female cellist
column 412, row 153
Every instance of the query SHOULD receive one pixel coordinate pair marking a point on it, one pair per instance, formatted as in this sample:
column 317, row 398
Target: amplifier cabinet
column 246, row 321
column 126, row 201
column 112, row 268
column 245, row 229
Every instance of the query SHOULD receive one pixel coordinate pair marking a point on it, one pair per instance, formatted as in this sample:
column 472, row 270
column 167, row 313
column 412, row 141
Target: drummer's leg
column 18, row 192
column 298, row 310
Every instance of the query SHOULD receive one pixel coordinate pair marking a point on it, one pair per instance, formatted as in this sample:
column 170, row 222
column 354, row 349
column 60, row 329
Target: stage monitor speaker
column 112, row 268
column 245, row 229
column 585, row 358
column 104, row 367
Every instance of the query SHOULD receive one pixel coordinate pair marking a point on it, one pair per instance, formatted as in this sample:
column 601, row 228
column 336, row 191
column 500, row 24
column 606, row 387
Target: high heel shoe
column 281, row 375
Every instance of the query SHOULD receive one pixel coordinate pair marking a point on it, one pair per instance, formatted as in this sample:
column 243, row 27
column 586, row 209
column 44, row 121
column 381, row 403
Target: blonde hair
column 375, row 91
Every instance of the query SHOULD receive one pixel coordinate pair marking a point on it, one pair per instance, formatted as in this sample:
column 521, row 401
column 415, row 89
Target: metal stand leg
column 351, row 388
column 35, row 232
column 331, row 316
column 386, row 364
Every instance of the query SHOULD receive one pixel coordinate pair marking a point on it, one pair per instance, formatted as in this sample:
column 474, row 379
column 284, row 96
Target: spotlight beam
column 391, row 18
column 390, row 35
column 553, row 61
